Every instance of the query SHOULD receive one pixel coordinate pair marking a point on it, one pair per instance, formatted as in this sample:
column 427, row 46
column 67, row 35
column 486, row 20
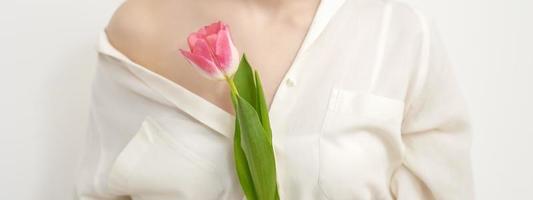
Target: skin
column 270, row 32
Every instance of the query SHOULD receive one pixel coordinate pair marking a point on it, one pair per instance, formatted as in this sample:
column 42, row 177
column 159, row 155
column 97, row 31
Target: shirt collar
column 325, row 12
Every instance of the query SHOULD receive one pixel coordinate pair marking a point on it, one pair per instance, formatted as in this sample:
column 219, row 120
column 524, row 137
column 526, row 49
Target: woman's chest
column 269, row 40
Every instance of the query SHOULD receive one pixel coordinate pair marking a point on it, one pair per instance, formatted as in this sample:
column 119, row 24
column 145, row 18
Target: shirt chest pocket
column 359, row 145
column 156, row 162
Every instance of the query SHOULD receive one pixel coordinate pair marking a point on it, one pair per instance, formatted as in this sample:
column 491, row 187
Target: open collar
column 198, row 107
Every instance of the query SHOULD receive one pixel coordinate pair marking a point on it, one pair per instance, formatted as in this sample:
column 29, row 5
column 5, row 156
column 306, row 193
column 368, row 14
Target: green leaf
column 248, row 84
column 262, row 107
column 258, row 151
column 263, row 111
column 245, row 82
column 246, row 88
column 241, row 163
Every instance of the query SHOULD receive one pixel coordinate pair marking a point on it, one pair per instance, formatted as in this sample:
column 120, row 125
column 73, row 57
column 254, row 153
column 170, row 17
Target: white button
column 290, row 82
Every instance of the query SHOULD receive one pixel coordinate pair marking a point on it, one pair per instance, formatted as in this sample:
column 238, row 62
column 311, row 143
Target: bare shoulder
column 142, row 30
column 131, row 25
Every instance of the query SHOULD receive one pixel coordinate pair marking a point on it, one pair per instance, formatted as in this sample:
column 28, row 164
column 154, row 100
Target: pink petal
column 193, row 37
column 225, row 50
column 214, row 28
column 202, row 31
column 206, row 66
column 202, row 49
column 212, row 40
column 222, row 50
column 233, row 65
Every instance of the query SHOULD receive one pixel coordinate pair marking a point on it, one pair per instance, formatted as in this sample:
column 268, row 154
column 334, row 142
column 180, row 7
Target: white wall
column 46, row 61
column 47, row 55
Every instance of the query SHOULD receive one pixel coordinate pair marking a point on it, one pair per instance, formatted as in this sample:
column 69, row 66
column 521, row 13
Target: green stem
column 232, row 85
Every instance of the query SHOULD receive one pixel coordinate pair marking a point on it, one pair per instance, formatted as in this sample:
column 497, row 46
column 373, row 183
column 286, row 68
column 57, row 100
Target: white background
column 47, row 55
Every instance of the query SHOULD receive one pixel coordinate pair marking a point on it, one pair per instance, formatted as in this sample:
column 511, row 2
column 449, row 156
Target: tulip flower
column 212, row 52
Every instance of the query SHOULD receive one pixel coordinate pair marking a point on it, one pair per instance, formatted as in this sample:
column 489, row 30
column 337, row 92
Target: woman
column 363, row 103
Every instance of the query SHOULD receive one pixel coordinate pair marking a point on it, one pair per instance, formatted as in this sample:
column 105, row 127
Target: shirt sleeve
column 436, row 130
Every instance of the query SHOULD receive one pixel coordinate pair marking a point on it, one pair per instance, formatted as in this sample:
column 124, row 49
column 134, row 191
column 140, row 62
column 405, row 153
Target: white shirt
column 369, row 110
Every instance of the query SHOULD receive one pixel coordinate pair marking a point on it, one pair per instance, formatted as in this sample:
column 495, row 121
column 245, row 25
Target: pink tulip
column 212, row 51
